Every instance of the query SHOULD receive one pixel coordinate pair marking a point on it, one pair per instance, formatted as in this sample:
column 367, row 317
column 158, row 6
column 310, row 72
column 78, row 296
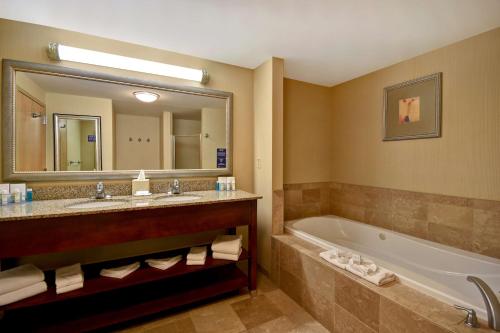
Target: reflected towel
column 68, row 288
column 23, row 293
column 229, row 244
column 120, row 272
column 69, row 275
column 164, row 263
column 195, row 262
column 337, row 257
column 380, row 277
column 225, row 256
column 19, row 277
column 197, row 253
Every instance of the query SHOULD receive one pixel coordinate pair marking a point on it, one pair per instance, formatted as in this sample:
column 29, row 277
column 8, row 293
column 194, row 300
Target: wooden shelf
column 80, row 315
column 95, row 284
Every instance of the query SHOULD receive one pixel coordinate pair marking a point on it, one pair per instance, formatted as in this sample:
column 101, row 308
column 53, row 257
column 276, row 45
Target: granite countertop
column 59, row 208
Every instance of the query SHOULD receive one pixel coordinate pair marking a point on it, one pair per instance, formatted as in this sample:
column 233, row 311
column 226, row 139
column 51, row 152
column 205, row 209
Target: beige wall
column 267, row 113
column 81, row 105
column 166, row 137
column 213, row 123
column 307, row 132
column 29, row 86
column 135, row 155
column 28, row 42
column 464, row 162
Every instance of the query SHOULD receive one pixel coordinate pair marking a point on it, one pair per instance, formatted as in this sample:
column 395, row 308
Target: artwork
column 412, row 109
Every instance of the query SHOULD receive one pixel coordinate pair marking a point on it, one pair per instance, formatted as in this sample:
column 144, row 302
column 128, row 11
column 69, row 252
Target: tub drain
column 381, row 236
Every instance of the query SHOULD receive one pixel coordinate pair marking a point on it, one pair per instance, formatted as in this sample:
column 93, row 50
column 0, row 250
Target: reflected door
column 30, row 133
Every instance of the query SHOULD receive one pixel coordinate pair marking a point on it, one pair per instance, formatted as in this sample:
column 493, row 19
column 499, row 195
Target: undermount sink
column 96, row 204
column 178, row 198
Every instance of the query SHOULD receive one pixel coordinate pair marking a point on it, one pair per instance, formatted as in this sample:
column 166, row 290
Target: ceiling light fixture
column 62, row 52
column 146, row 96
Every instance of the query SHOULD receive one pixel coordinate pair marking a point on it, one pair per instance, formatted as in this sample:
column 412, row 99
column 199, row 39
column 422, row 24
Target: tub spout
column 490, row 300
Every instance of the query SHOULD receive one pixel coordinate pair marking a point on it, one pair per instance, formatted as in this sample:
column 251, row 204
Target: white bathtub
column 437, row 270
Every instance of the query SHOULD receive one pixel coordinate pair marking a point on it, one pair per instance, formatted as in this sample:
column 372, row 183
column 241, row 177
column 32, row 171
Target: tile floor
column 269, row 310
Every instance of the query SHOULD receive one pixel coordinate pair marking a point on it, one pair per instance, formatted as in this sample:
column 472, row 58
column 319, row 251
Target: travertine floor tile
column 216, row 318
column 179, row 326
column 292, row 310
column 279, row 325
column 256, row 311
column 313, row 327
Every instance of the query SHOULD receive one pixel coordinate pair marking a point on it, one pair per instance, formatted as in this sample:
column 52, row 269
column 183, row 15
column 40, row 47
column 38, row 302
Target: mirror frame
column 9, row 68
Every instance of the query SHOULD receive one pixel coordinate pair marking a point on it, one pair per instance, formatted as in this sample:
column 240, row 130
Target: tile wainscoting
column 465, row 223
column 344, row 303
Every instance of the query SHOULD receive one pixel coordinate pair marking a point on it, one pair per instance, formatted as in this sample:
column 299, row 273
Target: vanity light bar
column 62, row 52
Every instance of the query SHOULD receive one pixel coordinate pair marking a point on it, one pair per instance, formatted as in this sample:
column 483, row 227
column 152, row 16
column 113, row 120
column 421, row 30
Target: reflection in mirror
column 65, row 123
column 77, row 142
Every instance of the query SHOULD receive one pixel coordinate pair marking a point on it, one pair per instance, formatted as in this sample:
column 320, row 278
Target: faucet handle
column 471, row 319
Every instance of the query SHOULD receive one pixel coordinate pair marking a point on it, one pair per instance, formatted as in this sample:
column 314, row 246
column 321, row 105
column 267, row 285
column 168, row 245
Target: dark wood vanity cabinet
column 103, row 301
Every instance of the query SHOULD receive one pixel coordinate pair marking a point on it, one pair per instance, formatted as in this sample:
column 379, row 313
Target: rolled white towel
column 337, row 257
column 380, row 277
column 197, row 253
column 19, row 277
column 229, row 244
column 225, row 256
column 120, row 272
column 69, row 275
column 364, row 266
column 68, row 288
column 19, row 294
column 164, row 263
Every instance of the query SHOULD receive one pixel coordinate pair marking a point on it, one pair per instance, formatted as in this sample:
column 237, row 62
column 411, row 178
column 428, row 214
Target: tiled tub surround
column 70, row 190
column 464, row 223
column 345, row 303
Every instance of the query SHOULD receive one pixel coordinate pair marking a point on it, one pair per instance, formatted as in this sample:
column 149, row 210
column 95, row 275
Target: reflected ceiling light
column 62, row 52
column 146, row 96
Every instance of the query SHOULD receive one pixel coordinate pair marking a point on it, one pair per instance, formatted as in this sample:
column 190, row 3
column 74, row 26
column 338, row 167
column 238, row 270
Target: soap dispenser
column 140, row 186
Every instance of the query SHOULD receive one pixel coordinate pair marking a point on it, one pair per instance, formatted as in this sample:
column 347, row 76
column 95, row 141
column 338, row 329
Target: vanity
column 63, row 225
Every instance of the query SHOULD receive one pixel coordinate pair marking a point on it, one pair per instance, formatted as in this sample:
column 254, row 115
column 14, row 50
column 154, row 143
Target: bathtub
column 434, row 269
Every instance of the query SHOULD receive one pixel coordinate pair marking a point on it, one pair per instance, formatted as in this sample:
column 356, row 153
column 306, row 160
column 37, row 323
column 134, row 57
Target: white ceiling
column 322, row 41
column 182, row 105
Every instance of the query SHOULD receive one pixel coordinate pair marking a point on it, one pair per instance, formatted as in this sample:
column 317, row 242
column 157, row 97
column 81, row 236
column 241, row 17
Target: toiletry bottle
column 222, row 183
column 17, row 196
column 233, row 183
column 29, row 195
column 5, row 197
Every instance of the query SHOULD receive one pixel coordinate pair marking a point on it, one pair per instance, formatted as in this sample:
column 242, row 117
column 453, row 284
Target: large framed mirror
column 63, row 123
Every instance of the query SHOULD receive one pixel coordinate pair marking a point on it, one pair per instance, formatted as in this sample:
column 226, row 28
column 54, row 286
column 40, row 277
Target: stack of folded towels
column 69, row 278
column 197, row 256
column 164, row 263
column 359, row 266
column 20, row 283
column 120, row 272
column 227, row 247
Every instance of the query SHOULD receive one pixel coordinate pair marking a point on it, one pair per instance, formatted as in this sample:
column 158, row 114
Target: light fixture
column 146, row 96
column 62, row 52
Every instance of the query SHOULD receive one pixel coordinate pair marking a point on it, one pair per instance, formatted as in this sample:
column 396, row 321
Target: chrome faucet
column 490, row 300
column 99, row 193
column 176, row 187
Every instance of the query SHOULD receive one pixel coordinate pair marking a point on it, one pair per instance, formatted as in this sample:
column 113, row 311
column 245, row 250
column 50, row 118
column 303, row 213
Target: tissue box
column 140, row 185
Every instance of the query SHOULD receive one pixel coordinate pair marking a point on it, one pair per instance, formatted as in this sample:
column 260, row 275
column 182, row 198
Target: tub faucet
column 490, row 300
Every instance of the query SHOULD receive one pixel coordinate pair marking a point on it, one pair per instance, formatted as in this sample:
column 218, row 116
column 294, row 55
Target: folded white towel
column 69, row 275
column 19, row 277
column 195, row 262
column 164, row 263
column 120, row 272
column 68, row 288
column 229, row 244
column 25, row 292
column 225, row 256
column 364, row 266
column 338, row 257
column 197, row 253
column 380, row 277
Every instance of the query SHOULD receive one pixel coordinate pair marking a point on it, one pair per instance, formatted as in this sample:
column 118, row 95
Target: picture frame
column 412, row 109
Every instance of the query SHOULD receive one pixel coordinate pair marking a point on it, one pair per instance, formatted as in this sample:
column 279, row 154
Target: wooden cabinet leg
column 252, row 247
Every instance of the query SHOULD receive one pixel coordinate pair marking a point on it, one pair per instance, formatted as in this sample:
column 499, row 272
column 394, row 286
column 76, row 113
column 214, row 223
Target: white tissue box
column 140, row 185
